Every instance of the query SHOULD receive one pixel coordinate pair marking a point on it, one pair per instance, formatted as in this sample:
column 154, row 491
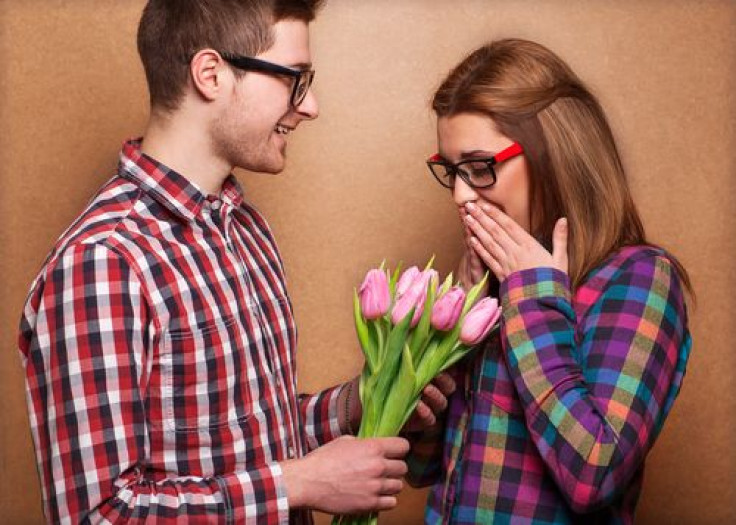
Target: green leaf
column 418, row 338
column 422, row 367
column 456, row 354
column 376, row 332
column 394, row 279
column 429, row 264
column 401, row 395
column 371, row 410
column 445, row 286
column 389, row 367
column 366, row 342
column 472, row 296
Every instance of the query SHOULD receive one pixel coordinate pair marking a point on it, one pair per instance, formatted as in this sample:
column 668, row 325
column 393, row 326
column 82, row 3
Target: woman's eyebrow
column 476, row 153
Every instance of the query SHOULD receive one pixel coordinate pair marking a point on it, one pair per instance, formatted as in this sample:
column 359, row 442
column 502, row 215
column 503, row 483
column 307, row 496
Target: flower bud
column 374, row 295
column 406, row 280
column 414, row 297
column 479, row 321
column 447, row 309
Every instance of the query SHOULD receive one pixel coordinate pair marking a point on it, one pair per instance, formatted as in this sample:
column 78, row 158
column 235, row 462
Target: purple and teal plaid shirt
column 554, row 423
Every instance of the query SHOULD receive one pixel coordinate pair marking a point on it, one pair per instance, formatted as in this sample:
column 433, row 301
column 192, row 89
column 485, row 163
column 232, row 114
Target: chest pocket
column 204, row 377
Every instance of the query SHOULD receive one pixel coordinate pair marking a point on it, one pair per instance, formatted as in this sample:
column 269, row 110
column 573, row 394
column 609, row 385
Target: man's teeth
column 282, row 130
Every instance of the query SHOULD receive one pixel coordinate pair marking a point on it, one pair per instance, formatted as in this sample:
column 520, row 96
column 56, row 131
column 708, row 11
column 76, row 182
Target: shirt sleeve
column 596, row 390
column 84, row 339
column 320, row 413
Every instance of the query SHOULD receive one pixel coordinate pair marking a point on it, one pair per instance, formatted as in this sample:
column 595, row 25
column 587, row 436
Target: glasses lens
column 479, row 173
column 444, row 174
column 302, row 87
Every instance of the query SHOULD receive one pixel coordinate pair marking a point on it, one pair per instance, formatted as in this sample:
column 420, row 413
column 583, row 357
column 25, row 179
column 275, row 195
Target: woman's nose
column 463, row 193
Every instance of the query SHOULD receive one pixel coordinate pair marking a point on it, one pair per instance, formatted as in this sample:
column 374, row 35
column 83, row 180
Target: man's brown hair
column 170, row 32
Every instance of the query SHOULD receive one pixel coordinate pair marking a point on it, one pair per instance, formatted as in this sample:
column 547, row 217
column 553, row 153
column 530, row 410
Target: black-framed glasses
column 477, row 172
column 302, row 78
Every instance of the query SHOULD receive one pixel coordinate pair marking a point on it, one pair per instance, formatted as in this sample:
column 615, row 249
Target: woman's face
column 469, row 135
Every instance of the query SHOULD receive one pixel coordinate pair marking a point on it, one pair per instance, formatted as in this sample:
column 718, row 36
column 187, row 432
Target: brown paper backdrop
column 356, row 191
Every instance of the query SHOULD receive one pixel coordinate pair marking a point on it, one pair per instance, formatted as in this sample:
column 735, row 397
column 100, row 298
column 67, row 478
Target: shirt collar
column 169, row 188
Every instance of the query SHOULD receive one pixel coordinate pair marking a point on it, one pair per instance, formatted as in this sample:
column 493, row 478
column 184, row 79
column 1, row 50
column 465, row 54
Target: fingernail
column 468, row 219
column 486, row 207
column 470, row 207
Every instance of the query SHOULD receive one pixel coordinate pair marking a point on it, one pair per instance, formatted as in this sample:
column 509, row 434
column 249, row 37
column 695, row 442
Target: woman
column 561, row 406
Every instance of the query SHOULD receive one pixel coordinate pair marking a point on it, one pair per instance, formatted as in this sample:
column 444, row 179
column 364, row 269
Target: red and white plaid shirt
column 158, row 343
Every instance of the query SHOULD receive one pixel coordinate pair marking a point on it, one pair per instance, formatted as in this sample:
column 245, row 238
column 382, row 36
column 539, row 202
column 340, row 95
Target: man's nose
column 309, row 108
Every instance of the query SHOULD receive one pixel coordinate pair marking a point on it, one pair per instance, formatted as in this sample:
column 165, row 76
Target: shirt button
column 216, row 205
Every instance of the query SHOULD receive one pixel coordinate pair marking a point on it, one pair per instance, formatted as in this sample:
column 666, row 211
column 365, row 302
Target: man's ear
column 209, row 74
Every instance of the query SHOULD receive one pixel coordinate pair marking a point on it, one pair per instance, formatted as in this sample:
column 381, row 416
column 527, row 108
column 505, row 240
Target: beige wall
column 356, row 191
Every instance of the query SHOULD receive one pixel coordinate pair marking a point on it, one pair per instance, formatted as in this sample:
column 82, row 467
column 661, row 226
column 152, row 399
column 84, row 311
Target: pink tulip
column 413, row 297
column 479, row 321
column 447, row 309
column 406, row 280
column 374, row 295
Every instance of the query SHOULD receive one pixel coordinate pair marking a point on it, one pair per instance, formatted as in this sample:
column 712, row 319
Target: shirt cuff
column 322, row 416
column 257, row 495
column 534, row 283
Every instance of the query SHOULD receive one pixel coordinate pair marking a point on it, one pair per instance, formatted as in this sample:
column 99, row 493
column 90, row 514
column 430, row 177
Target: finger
column 474, row 262
column 489, row 222
column 393, row 447
column 486, row 238
column 386, row 502
column 424, row 415
column 445, row 383
column 559, row 245
column 391, row 486
column 509, row 226
column 422, row 410
column 434, row 399
column 488, row 259
column 476, row 268
column 395, row 469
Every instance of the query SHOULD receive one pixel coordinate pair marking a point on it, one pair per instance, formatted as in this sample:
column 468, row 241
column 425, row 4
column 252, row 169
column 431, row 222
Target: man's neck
column 183, row 147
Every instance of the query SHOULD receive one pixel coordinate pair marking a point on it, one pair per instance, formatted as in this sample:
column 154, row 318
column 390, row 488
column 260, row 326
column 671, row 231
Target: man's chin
column 271, row 167
column 276, row 167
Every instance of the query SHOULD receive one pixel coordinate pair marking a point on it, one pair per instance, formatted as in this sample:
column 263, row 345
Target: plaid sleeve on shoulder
column 594, row 403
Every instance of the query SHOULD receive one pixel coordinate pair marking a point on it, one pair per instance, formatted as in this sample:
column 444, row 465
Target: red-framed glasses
column 476, row 172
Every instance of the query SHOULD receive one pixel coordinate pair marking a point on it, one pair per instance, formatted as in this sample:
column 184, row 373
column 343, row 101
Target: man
column 158, row 339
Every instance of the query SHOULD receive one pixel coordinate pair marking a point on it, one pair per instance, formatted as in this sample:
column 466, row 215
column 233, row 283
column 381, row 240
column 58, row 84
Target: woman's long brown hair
column 575, row 170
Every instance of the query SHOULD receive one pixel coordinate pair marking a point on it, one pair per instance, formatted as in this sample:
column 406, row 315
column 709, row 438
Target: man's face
column 257, row 118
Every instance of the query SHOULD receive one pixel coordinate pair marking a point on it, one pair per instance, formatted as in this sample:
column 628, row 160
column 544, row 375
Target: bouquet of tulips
column 410, row 329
